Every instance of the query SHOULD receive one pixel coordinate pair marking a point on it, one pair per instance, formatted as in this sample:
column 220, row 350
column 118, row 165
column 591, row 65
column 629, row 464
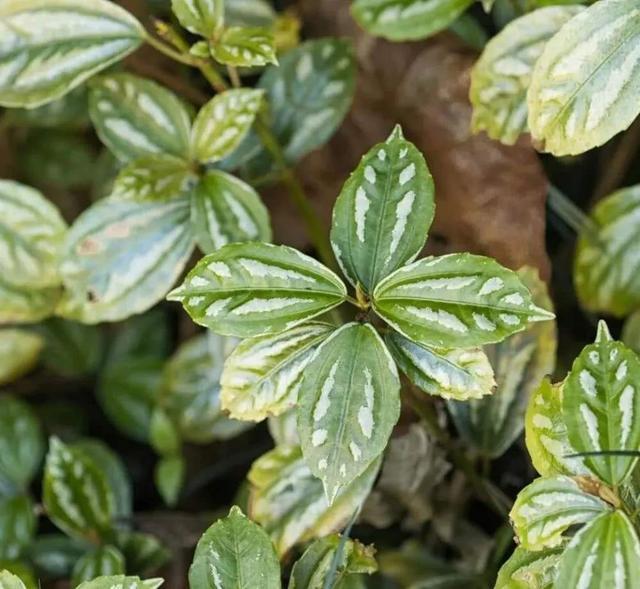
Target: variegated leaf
column 381, row 218
column 122, row 256
column 31, row 236
column 224, row 209
column 284, row 429
column 546, row 508
column 453, row 374
column 19, row 353
column 17, row 526
column 10, row 581
column 601, row 405
column 458, row 300
column 250, row 289
column 121, row 581
column 245, row 47
column 202, row 17
column 289, row 501
column 235, row 553
column 606, row 553
column 584, row 86
column 262, row 376
column 500, row 79
column 26, row 304
column 105, row 560
column 349, row 402
column 50, row 47
column 402, row 20
column 143, row 553
column 529, row 570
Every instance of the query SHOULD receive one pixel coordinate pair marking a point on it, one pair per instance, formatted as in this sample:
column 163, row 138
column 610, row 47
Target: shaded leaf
column 202, row 17
column 631, row 332
column 249, row 13
column 17, row 526
column 143, row 553
column 105, row 560
column 163, row 434
column 55, row 554
column 19, row 353
column 529, row 570
column 245, row 47
column 69, row 111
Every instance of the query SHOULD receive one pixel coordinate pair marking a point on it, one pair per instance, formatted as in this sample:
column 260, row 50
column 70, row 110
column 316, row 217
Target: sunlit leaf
column 10, row 581
column 245, row 47
column 19, row 353
column 17, row 525
column 121, row 581
column 202, row 17
column 26, row 304
column 529, row 570
column 105, row 560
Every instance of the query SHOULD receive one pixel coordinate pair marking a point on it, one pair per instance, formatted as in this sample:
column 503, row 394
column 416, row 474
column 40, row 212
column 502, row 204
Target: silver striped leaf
column 17, row 526
column 529, row 569
column 31, row 235
column 50, row 47
column 349, row 401
column 245, row 47
column 25, row 304
column 381, row 218
column 606, row 553
column 501, row 77
column 601, row 405
column 19, row 353
column 288, row 501
column 224, row 210
column 104, row 560
column 585, row 85
column 458, row 300
column 109, row 582
column 262, row 376
column 251, row 289
column 201, row 17
column 122, row 256
column 545, row 509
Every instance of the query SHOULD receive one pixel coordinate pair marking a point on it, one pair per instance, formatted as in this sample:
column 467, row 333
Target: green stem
column 171, row 53
column 571, row 214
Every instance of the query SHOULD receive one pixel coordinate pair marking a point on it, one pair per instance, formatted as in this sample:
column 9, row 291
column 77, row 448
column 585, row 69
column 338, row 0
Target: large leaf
column 381, row 218
column 19, row 353
column 500, row 79
column 202, row 17
column 105, row 560
column 117, row 581
column 235, row 553
column 250, row 289
column 263, row 375
column 458, row 300
column 584, row 86
column 245, row 47
column 529, row 570
column 121, row 257
column 51, row 46
column 17, row 525
column 349, row 402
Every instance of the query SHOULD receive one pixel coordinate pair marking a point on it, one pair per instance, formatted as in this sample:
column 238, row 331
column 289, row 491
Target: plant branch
column 160, row 46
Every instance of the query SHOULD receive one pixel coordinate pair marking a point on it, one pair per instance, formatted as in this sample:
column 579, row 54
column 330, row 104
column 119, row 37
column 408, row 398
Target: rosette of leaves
column 346, row 379
column 591, row 415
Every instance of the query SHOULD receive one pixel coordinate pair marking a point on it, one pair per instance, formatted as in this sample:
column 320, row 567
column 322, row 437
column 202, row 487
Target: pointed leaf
column 529, row 570
column 245, row 47
column 105, row 560
column 121, row 581
column 17, row 526
column 202, row 17
column 169, row 477
column 19, row 353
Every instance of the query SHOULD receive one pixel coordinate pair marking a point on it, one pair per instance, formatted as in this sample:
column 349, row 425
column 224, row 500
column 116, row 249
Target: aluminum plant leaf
column 529, row 570
column 104, row 560
column 10, row 581
column 289, row 502
column 607, row 268
column 251, row 289
column 584, row 86
column 262, row 376
column 224, row 209
column 51, row 46
column 546, row 508
column 19, row 353
column 235, row 553
column 122, row 256
column 117, row 581
column 250, row 13
column 457, row 300
column 31, row 235
column 135, row 117
column 201, row 17
column 26, row 304
column 601, row 405
column 245, row 47
column 381, row 218
column 17, row 525
column 349, row 401
column 143, row 553
column 402, row 20
column 501, row 77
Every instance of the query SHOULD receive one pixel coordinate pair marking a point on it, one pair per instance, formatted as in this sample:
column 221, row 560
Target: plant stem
column 234, row 77
column 571, row 214
column 169, row 52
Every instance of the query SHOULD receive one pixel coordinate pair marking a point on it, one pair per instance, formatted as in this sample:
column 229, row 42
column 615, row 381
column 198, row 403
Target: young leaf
column 17, row 526
column 529, row 570
column 163, row 434
column 136, row 117
column 245, row 47
column 381, row 218
column 500, row 79
column 235, row 553
column 584, row 86
column 169, row 477
column 49, row 48
column 121, row 581
column 601, row 405
column 348, row 404
column 201, row 17
column 10, row 581
column 224, row 209
column 458, row 300
column 19, row 353
column 105, row 560
column 250, row 289
column 546, row 508
column 262, row 376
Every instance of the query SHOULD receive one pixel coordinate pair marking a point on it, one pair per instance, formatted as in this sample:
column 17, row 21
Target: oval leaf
column 202, row 17
column 10, row 581
column 245, row 47
column 17, row 526
column 529, row 570
column 26, row 304
column 105, row 560
column 19, row 353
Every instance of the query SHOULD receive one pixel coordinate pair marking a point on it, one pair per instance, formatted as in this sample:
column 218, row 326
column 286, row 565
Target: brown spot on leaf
column 118, row 230
column 89, row 247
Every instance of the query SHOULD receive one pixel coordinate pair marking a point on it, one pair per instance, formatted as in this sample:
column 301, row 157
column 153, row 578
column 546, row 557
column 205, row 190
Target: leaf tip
column 396, row 134
column 603, row 334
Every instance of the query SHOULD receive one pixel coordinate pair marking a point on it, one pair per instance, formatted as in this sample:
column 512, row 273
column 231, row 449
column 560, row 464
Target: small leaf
column 348, row 404
column 250, row 289
column 381, row 218
column 17, row 526
column 235, row 553
column 55, row 554
column 26, row 304
column 245, row 47
column 19, row 353
column 10, row 581
column 529, row 570
column 163, row 434
column 143, row 553
column 169, row 477
column 69, row 40
column 121, row 581
column 105, row 560
column 202, row 17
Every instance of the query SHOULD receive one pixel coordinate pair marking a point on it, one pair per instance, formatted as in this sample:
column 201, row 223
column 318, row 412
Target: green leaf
column 289, row 501
column 144, row 336
column 69, row 112
column 19, row 353
column 381, row 218
column 17, row 526
column 169, row 477
column 121, row 581
column 121, row 257
column 603, row 554
column 143, row 553
column 26, row 304
column 249, row 13
column 202, row 17
column 402, row 20
column 223, row 122
column 235, row 553
column 458, row 300
column 54, row 555
column 224, row 209
column 10, row 581
column 546, row 508
column 250, row 289
column 501, row 77
column 104, row 560
column 136, row 117
column 163, row 434
column 529, row 570
column 245, row 47
column 50, row 48
column 631, row 331
column 601, row 405
column 348, row 404
column 76, row 494
column 584, row 86
column 262, row 376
